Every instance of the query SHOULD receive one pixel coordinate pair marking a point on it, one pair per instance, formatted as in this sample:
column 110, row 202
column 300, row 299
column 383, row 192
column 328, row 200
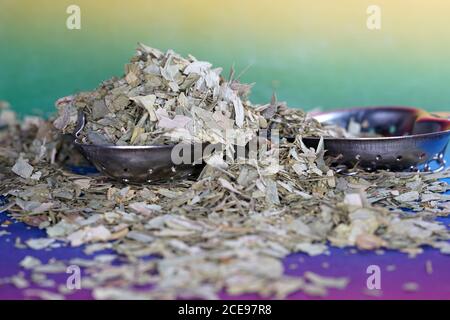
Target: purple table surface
column 345, row 262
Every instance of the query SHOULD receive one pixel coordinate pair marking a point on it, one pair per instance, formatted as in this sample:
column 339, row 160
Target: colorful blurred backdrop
column 316, row 53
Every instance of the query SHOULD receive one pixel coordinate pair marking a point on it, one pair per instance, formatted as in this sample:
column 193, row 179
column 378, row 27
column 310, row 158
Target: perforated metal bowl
column 411, row 138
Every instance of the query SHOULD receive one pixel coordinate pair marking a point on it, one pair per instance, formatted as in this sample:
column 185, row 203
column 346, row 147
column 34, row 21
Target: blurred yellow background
column 311, row 53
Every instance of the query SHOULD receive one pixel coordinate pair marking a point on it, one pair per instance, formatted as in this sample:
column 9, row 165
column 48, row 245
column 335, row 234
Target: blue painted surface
column 341, row 262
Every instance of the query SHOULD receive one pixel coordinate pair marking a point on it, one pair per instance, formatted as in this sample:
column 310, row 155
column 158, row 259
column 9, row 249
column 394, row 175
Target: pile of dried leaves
column 227, row 231
column 164, row 98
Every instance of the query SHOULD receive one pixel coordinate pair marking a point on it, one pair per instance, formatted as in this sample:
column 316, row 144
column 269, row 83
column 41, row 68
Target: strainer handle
column 442, row 115
column 439, row 121
column 81, row 122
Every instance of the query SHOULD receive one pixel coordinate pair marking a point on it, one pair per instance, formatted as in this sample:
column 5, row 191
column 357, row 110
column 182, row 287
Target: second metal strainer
column 411, row 139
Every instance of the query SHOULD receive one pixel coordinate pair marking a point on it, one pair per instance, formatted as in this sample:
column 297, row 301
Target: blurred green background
column 311, row 53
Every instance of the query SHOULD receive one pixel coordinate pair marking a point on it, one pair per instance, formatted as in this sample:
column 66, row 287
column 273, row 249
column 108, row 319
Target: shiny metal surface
column 138, row 164
column 412, row 138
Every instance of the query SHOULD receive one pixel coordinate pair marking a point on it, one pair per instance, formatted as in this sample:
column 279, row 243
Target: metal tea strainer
column 407, row 138
column 137, row 164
